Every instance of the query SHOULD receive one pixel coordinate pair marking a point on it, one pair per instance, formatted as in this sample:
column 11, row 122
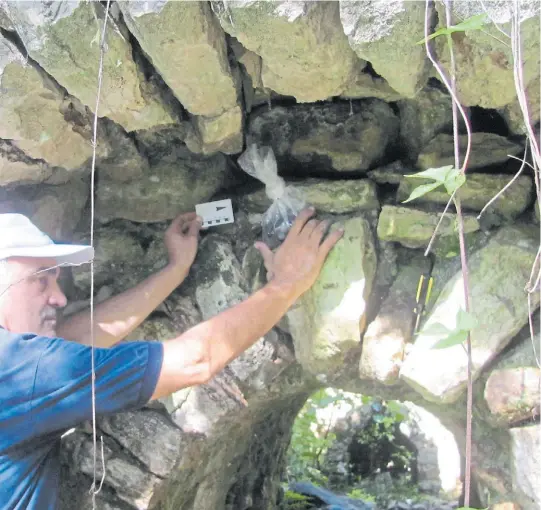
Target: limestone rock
column 423, row 117
column 54, row 209
column 387, row 335
column 30, row 109
column 304, row 51
column 187, row 46
column 222, row 133
column 486, row 149
column 513, row 394
column 166, row 189
column 323, row 138
column 438, row 455
column 498, row 273
column 365, row 85
column 219, row 277
column 393, row 173
column 477, row 191
column 526, row 462
column 149, row 436
column 64, row 38
column 131, row 483
column 334, row 197
column 328, row 319
column 117, row 254
column 512, row 112
column 385, row 33
column 484, row 62
column 17, row 168
column 413, row 228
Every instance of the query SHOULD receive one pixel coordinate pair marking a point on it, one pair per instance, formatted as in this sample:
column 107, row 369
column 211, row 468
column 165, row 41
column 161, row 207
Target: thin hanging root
column 451, row 86
column 92, row 214
column 502, row 191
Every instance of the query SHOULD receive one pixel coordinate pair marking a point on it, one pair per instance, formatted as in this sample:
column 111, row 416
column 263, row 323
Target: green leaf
column 437, row 174
column 465, row 321
column 419, row 191
column 455, row 338
column 436, row 329
column 473, row 23
column 454, row 180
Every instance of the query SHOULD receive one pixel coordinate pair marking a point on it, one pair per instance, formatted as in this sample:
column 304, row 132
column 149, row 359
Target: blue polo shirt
column 45, row 389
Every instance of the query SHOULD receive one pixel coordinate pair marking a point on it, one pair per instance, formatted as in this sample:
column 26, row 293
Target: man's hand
column 181, row 240
column 298, row 261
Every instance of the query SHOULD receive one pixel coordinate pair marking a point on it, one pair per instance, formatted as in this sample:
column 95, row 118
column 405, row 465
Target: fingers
column 266, row 253
column 300, row 221
column 194, row 227
column 329, row 242
column 319, row 232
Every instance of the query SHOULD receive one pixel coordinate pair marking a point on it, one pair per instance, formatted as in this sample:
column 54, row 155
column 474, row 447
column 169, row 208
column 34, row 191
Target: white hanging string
column 92, row 214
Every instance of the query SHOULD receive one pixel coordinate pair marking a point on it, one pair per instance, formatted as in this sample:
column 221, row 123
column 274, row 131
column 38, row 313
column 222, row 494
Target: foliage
column 465, row 322
column 361, row 494
column 312, row 434
column 473, row 23
column 447, row 176
column 295, row 501
column 383, row 429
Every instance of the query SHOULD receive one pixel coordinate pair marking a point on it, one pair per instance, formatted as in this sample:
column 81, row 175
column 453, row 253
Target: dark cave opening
column 382, row 448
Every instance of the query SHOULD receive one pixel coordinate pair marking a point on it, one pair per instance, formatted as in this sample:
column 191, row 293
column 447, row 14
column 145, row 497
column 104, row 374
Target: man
column 45, row 367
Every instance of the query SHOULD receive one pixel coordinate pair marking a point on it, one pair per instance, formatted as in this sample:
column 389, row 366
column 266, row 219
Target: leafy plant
column 473, row 23
column 296, row 501
column 361, row 494
column 447, row 176
column 465, row 322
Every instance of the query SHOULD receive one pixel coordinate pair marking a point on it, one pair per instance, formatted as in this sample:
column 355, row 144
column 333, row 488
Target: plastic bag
column 287, row 201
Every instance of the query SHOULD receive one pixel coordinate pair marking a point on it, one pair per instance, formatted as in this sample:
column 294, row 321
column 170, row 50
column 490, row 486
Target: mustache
column 48, row 313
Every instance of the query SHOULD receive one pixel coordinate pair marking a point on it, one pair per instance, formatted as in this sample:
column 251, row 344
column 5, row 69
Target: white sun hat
column 19, row 237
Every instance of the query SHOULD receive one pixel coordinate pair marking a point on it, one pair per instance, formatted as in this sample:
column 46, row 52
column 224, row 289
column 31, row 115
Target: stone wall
column 349, row 104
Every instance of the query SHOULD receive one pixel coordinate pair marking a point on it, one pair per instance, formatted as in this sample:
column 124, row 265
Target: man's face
column 31, row 302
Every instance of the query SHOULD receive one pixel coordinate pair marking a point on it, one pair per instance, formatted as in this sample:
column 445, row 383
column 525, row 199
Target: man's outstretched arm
column 118, row 316
column 204, row 350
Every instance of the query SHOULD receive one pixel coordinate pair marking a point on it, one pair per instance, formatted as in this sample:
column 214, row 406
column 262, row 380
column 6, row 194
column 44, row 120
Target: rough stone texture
column 498, row 273
column 170, row 186
column 393, row 173
column 385, row 34
column 365, row 85
column 117, row 253
column 526, row 462
column 304, row 51
column 335, row 197
column 513, row 115
column 32, row 119
column 387, row 335
column 413, row 228
column 130, row 481
column 342, row 137
column 513, row 394
column 328, row 319
column 477, row 191
column 222, row 133
column 186, row 45
column 484, row 61
column 54, row 209
column 486, row 149
column 438, row 457
column 157, row 444
column 64, row 38
column 423, row 117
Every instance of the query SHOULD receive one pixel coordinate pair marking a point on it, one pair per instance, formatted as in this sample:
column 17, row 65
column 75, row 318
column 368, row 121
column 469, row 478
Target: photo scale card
column 216, row 213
